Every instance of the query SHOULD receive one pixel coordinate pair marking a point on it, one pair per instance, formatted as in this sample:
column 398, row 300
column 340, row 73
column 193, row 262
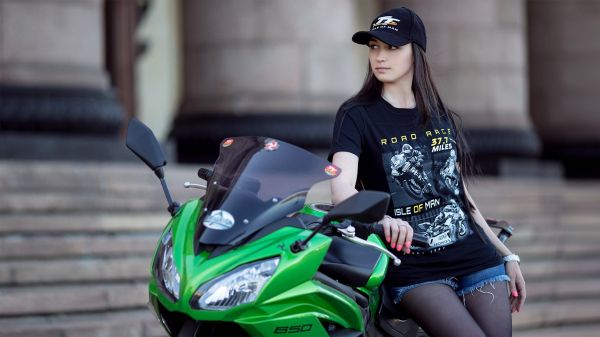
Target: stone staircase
column 76, row 242
column 75, row 247
column 557, row 236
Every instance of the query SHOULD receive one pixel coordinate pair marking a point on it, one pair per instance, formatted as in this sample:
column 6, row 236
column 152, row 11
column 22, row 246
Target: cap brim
column 363, row 37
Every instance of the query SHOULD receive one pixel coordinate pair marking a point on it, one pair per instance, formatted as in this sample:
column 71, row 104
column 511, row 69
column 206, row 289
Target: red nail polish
column 393, row 245
column 515, row 294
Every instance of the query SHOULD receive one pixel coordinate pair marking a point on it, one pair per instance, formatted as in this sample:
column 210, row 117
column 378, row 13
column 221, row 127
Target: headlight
column 239, row 286
column 164, row 267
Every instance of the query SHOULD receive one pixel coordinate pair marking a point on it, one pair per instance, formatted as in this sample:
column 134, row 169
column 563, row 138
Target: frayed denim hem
column 481, row 284
column 399, row 292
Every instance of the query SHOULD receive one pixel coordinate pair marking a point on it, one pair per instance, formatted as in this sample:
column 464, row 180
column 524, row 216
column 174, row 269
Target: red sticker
column 271, row 145
column 331, row 170
column 227, row 142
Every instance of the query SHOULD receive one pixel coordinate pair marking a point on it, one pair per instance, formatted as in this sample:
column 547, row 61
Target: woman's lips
column 382, row 69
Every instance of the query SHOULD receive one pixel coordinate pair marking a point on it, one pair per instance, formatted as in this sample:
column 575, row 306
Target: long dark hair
column 429, row 103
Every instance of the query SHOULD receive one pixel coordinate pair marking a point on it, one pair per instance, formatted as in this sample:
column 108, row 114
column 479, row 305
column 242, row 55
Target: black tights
column 437, row 309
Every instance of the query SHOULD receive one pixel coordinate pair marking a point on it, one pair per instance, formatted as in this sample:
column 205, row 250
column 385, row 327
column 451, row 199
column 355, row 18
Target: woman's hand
column 398, row 233
column 517, row 286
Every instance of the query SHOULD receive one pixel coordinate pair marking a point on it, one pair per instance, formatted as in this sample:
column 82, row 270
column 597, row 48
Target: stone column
column 278, row 68
column 478, row 53
column 565, row 80
column 55, row 99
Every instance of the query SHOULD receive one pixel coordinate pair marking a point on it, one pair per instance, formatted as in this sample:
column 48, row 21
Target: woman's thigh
column 490, row 307
column 439, row 311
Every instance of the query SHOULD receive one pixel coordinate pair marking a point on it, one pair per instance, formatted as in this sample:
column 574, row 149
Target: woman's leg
column 437, row 309
column 490, row 308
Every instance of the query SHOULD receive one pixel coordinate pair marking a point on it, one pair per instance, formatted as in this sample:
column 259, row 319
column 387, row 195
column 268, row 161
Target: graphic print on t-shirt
column 424, row 185
column 408, row 172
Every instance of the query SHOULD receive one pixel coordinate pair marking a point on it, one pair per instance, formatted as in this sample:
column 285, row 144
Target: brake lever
column 349, row 233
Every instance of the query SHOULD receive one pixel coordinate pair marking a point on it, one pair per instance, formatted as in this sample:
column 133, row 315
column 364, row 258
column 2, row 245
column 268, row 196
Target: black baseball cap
column 395, row 27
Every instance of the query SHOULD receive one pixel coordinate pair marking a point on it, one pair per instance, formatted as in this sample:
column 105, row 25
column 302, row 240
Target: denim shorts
column 462, row 285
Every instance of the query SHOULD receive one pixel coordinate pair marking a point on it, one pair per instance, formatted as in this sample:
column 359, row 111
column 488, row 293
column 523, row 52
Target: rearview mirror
column 142, row 142
column 365, row 206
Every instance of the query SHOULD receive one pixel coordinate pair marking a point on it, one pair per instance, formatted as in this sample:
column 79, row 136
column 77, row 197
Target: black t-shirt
column 417, row 165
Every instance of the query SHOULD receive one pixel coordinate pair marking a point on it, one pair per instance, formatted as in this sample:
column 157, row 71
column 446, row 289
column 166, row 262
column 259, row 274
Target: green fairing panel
column 291, row 291
column 182, row 224
column 381, row 268
column 307, row 209
column 376, row 279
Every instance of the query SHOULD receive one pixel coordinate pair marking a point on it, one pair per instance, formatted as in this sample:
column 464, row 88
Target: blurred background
column 79, row 216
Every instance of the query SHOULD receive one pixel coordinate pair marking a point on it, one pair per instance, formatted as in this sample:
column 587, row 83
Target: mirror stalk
column 299, row 246
column 173, row 205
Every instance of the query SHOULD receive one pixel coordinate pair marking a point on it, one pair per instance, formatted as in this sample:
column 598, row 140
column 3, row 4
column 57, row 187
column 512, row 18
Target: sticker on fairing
column 271, row 145
column 227, row 142
column 219, row 220
column 331, row 170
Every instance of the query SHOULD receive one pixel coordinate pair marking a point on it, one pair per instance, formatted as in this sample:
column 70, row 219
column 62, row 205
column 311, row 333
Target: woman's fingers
column 408, row 240
column 517, row 286
column 398, row 233
column 521, row 289
column 401, row 236
column 386, row 229
column 395, row 232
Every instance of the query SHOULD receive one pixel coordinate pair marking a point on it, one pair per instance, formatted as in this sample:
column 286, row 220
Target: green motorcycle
column 249, row 258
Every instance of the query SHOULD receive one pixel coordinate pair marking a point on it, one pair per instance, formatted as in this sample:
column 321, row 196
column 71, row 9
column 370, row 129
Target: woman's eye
column 372, row 46
column 393, row 47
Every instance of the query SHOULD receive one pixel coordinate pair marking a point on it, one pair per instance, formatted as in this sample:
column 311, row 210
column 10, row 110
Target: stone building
column 522, row 73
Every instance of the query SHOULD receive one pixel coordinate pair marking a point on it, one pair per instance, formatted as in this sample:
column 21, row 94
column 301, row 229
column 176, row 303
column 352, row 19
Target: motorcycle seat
column 349, row 263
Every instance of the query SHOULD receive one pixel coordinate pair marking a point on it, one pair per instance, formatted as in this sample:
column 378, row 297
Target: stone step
column 555, row 269
column 19, row 247
column 557, row 313
column 587, row 330
column 82, row 223
column 563, row 289
column 541, row 251
column 52, row 246
column 132, row 268
column 15, row 175
column 40, row 187
column 48, row 202
column 43, row 300
column 123, row 323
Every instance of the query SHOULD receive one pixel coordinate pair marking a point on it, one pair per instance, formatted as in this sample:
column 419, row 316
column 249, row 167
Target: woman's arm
column 342, row 186
column 397, row 232
column 517, row 282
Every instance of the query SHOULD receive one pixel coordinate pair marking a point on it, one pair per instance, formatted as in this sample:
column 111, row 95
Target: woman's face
column 391, row 64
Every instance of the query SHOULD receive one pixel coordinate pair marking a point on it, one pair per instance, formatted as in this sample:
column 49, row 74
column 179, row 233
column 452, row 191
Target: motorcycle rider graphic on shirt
column 407, row 172
column 424, row 185
column 449, row 173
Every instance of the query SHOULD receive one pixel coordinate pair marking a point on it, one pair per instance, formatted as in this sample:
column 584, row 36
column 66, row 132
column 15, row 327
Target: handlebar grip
column 504, row 235
column 205, row 174
column 418, row 240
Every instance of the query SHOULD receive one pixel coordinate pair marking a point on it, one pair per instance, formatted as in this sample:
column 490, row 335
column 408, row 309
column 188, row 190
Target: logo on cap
column 386, row 21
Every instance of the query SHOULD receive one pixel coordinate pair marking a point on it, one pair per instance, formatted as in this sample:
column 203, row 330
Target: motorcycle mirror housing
column 142, row 142
column 365, row 206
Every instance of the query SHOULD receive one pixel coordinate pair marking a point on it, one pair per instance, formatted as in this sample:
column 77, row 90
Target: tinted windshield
column 256, row 181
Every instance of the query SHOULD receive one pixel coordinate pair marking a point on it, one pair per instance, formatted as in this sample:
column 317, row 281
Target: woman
column 396, row 135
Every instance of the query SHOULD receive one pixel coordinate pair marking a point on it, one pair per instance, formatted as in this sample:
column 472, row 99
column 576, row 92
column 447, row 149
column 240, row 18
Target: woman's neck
column 399, row 96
